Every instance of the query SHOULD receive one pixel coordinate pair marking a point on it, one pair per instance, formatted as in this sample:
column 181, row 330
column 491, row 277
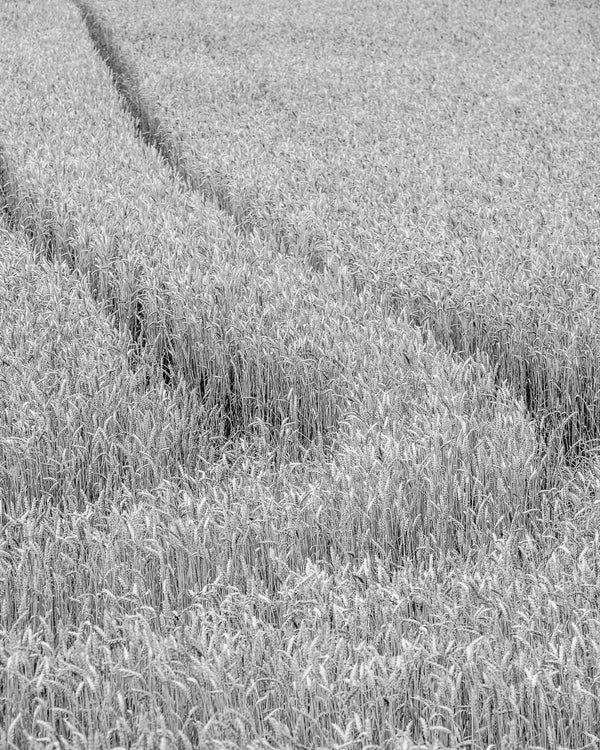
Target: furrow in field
column 80, row 433
column 446, row 155
column 105, row 557
column 254, row 600
column 150, row 126
column 78, row 428
column 275, row 356
column 171, row 270
column 267, row 353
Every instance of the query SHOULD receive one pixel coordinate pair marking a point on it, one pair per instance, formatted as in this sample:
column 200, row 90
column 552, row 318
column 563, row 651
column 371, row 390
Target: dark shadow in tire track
column 572, row 425
column 149, row 125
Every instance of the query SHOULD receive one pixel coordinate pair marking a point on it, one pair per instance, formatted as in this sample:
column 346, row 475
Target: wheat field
column 299, row 387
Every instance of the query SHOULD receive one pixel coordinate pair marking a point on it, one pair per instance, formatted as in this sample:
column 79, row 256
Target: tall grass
column 245, row 502
column 172, row 272
column 451, row 170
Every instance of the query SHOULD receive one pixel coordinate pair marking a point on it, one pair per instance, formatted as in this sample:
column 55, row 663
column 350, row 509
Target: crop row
column 248, row 606
column 268, row 348
column 452, row 170
column 172, row 272
column 171, row 570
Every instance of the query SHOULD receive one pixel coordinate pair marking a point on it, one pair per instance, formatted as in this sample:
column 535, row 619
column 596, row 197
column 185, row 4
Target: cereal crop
column 298, row 365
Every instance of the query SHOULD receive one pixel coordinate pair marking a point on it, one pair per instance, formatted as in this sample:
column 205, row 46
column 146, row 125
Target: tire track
column 150, row 127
